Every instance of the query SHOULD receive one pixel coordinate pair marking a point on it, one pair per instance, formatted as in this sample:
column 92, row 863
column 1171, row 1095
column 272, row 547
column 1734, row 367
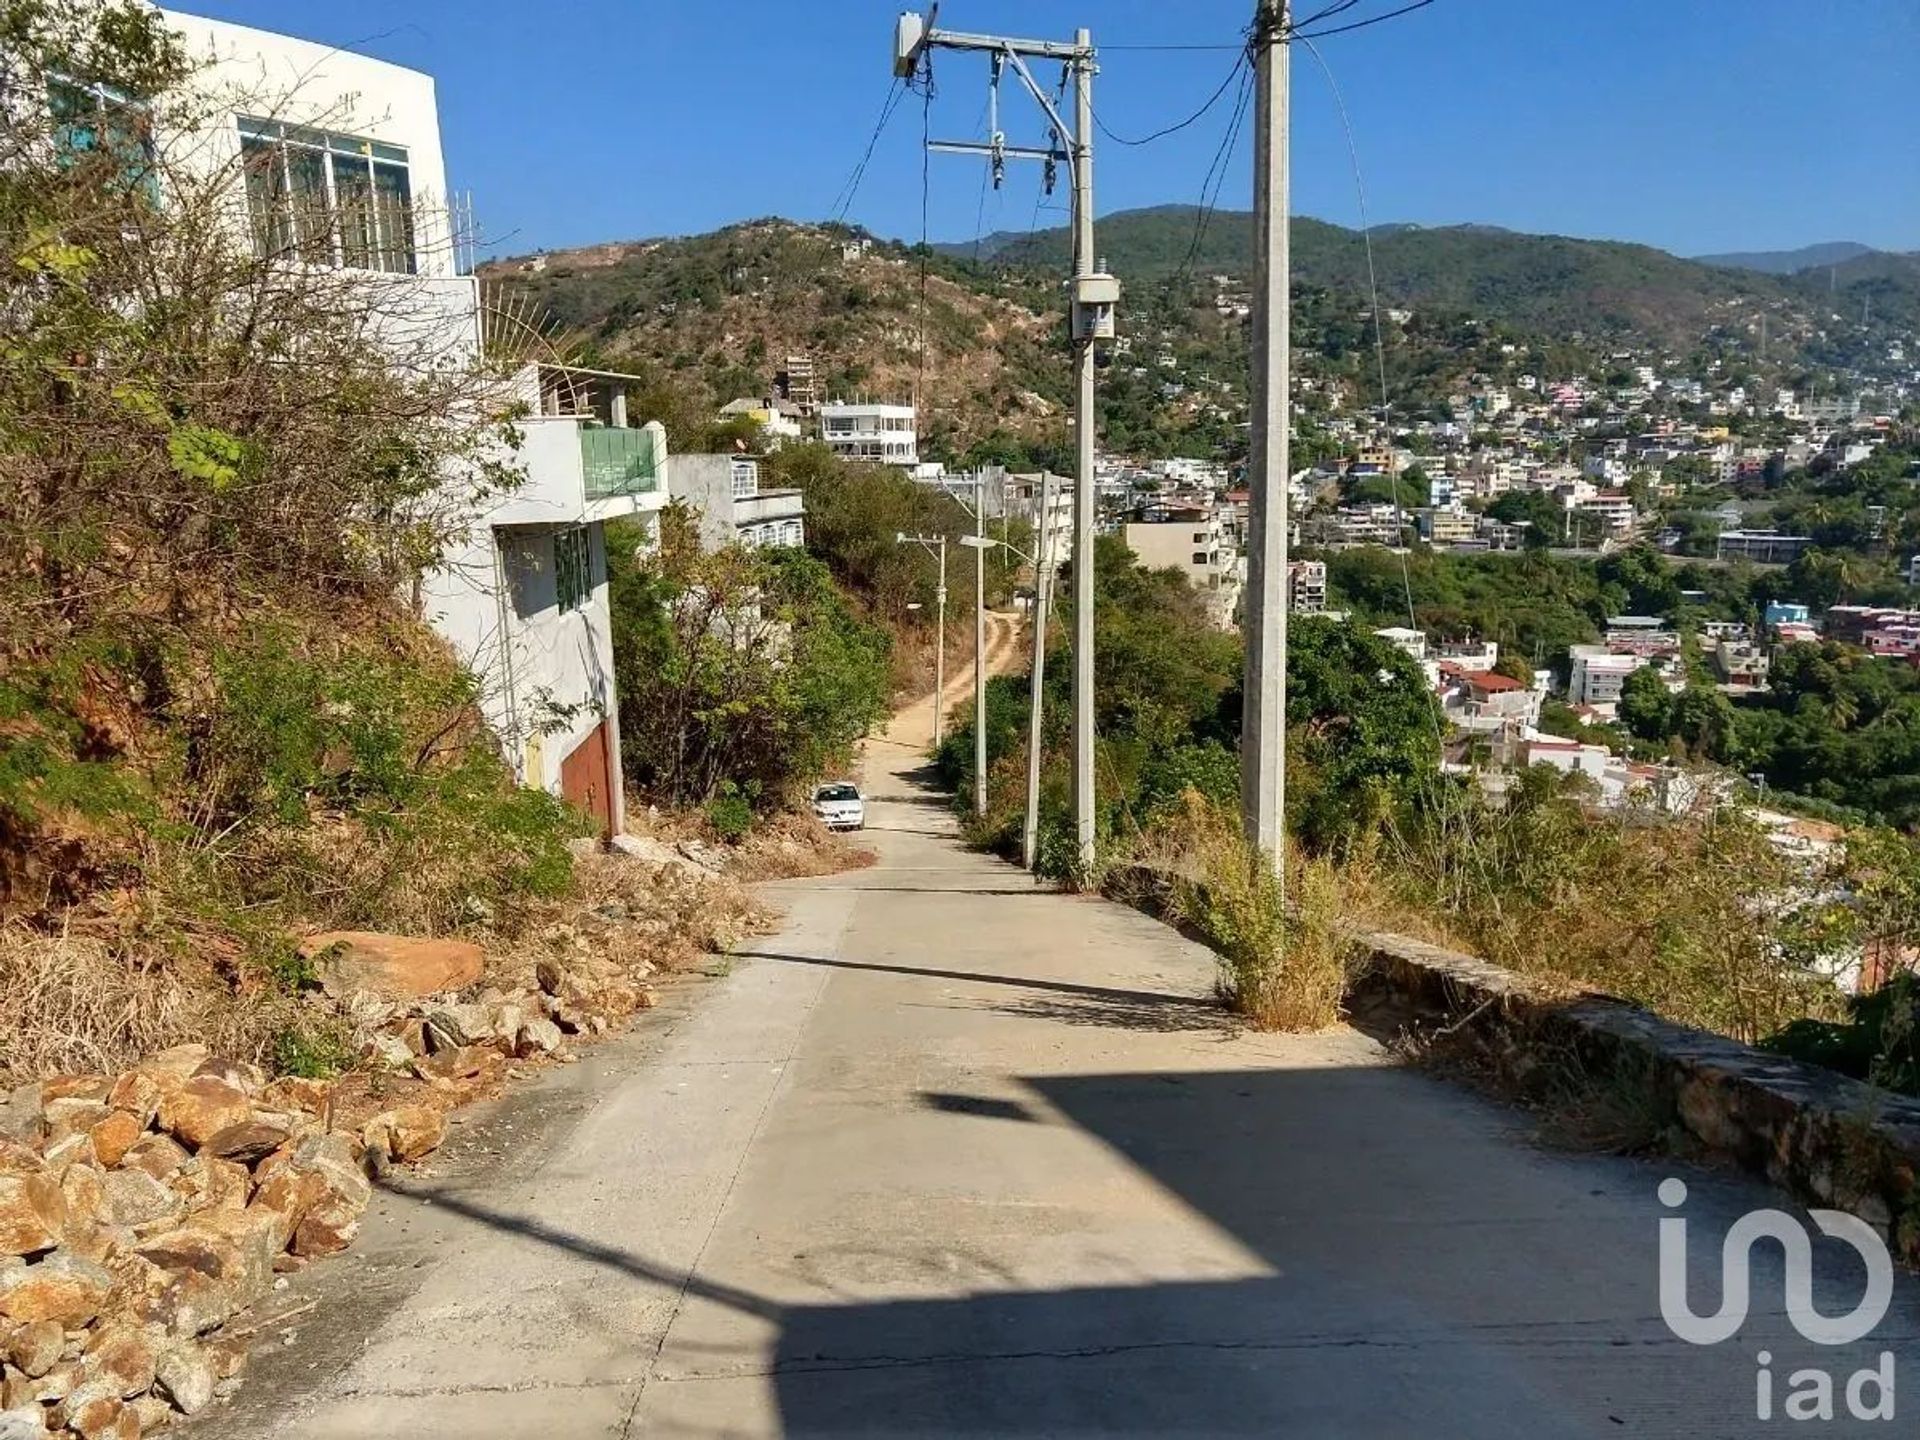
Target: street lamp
column 935, row 545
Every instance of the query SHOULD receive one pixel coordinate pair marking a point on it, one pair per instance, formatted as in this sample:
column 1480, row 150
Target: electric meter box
column 1094, row 299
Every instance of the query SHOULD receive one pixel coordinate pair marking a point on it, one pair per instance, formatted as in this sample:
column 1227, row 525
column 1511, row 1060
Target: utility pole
column 935, row 545
column 1094, row 297
column 1263, row 731
column 980, row 544
column 1042, row 577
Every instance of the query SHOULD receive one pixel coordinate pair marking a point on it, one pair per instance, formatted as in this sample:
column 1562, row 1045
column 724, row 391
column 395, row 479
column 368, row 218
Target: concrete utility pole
column 980, row 544
column 1094, row 296
column 1042, row 578
column 935, row 545
column 1263, row 731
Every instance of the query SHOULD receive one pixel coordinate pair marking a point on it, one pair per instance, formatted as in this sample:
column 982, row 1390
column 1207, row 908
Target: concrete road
column 953, row 1154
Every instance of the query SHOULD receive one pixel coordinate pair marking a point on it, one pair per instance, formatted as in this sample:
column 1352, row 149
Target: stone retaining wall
column 1828, row 1139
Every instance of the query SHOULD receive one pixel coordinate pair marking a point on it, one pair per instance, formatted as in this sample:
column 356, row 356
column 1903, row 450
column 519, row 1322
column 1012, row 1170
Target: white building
column 1599, row 675
column 336, row 162
column 733, row 508
column 884, row 434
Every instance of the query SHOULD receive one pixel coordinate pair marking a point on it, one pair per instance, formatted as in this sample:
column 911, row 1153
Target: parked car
column 839, row 806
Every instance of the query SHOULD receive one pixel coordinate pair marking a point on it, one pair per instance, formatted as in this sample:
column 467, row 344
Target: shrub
column 730, row 813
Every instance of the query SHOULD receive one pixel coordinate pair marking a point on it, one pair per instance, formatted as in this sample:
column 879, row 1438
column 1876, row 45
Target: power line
column 1328, row 13
column 843, row 201
column 1216, row 174
column 1297, row 34
column 1178, row 125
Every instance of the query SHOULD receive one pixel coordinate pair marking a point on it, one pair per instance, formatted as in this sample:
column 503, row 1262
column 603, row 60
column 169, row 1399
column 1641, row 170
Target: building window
column 572, row 568
column 790, row 532
column 92, row 119
column 330, row 199
column 746, row 479
column 1199, row 557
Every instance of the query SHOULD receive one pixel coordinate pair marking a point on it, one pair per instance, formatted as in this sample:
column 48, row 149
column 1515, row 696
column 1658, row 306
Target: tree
column 741, row 670
column 1363, row 731
column 1646, row 707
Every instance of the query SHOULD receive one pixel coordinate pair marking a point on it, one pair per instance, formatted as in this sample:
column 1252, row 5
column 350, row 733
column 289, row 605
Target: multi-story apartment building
column 1198, row 542
column 1767, row 547
column 335, row 162
column 860, row 430
column 1307, row 587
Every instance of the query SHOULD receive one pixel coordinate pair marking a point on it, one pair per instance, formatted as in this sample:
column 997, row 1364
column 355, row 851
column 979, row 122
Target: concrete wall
column 705, row 482
column 495, row 599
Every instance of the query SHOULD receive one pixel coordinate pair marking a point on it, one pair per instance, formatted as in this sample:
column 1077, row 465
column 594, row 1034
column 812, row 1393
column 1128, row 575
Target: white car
column 839, row 806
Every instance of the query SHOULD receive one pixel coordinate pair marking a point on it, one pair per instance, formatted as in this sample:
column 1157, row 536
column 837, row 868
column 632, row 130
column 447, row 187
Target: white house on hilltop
column 859, row 430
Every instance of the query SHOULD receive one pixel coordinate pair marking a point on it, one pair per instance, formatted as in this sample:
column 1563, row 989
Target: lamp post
column 935, row 545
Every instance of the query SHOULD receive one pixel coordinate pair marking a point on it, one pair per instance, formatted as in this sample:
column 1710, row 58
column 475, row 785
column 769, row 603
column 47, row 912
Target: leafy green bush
column 730, row 812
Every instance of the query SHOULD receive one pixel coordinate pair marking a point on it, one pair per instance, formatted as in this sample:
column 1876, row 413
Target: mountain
column 1786, row 262
column 715, row 316
column 979, row 341
column 1547, row 282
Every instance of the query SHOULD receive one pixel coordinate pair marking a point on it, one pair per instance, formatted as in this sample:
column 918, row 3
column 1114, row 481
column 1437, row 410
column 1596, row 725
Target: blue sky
column 1695, row 125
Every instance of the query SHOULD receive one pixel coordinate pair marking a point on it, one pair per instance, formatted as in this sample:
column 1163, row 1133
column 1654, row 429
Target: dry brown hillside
column 719, row 313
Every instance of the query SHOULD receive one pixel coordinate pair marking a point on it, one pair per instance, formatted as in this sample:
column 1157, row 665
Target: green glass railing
column 619, row 461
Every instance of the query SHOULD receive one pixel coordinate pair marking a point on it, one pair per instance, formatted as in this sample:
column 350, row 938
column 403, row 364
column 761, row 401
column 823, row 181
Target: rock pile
column 141, row 1212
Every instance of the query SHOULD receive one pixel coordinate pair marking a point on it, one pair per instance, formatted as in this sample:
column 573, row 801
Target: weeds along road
column 956, row 1154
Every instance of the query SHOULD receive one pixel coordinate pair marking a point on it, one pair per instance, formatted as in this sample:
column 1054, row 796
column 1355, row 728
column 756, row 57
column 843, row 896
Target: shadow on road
column 1127, row 1002
column 1410, row 1272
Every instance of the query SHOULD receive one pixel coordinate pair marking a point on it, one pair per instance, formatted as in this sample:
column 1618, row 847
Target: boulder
column 152, row 1412
column 159, row 1155
column 63, row 1287
column 176, row 1064
column 72, row 1115
column 406, row 1133
column 138, row 1093
column 35, row 1348
column 251, row 1141
column 20, row 1114
column 74, row 1150
column 25, row 1423
column 393, row 967
column 306, row 1097
column 120, row 1359
column 84, row 1188
column 287, row 1196
column 202, row 1107
column 74, row 1087
column 209, row 1272
column 114, row 1134
column 135, row 1198
column 184, row 1373
column 210, row 1183
column 462, row 1075
column 389, row 1051
column 33, row 1213
column 329, row 1218
column 100, row 1417
column 537, row 1036
column 237, row 1073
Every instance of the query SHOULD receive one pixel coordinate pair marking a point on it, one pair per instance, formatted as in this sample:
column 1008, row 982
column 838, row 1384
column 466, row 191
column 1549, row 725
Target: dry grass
column 1284, row 969
column 80, row 1003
